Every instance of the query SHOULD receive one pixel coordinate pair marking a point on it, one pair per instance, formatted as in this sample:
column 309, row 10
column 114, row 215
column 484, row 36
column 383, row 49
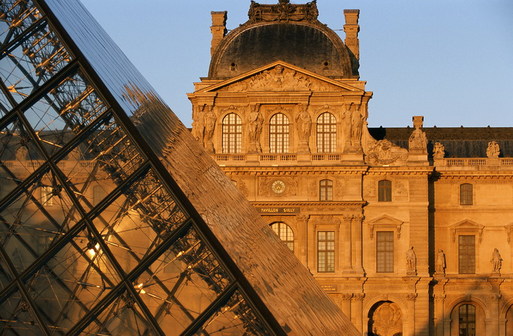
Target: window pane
column 466, row 194
column 326, row 190
column 385, row 252
column 467, row 254
column 279, row 133
column 326, row 251
column 285, row 233
column 467, row 320
column 326, row 133
column 385, row 191
column 232, row 133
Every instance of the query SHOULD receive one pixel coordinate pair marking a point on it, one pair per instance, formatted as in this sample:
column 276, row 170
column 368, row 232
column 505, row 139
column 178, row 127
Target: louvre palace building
column 408, row 230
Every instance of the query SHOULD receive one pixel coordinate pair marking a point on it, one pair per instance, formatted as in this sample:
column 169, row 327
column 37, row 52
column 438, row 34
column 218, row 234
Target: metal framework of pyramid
column 113, row 221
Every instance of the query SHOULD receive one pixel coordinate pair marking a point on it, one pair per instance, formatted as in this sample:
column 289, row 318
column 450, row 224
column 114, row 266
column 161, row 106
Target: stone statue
column 210, row 125
column 198, row 127
column 357, row 120
column 440, row 262
column 304, row 127
column 255, row 121
column 496, row 261
column 411, row 261
column 418, row 141
column 438, row 151
column 21, row 153
column 493, row 150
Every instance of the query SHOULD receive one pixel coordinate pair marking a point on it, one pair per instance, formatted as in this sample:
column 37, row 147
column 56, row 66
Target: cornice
column 308, row 204
column 295, row 170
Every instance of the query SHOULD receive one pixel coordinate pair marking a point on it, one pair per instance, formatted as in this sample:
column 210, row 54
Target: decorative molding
column 385, row 222
column 466, row 225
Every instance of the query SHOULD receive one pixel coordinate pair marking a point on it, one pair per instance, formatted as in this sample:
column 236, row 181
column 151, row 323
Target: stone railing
column 474, row 162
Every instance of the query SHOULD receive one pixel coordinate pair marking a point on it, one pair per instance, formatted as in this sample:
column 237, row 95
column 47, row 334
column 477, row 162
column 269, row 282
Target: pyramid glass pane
column 97, row 235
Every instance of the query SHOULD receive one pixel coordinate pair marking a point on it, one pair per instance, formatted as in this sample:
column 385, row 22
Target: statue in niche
column 357, row 120
column 198, row 127
column 411, row 261
column 438, row 151
column 255, row 121
column 304, row 127
column 210, row 125
column 493, row 150
column 440, row 262
column 21, row 153
column 496, row 261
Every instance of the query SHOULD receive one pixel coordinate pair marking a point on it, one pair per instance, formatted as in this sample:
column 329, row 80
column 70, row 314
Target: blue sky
column 450, row 61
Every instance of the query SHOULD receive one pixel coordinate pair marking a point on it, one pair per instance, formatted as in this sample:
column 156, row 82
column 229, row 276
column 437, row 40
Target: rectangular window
column 467, row 254
column 326, row 251
column 385, row 191
column 46, row 196
column 385, row 252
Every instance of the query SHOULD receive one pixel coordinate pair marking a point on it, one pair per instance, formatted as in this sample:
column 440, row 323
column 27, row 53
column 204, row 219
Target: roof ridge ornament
column 283, row 11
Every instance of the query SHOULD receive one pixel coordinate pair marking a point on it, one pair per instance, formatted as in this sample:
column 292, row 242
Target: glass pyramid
column 112, row 220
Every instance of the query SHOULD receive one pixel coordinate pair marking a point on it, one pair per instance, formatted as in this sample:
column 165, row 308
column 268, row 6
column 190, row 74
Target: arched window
column 326, row 190
column 467, row 320
column 232, row 133
column 385, row 191
column 466, row 194
column 326, row 133
column 285, row 233
column 279, row 133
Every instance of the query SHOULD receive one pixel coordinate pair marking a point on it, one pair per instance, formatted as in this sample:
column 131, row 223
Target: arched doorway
column 468, row 319
column 385, row 319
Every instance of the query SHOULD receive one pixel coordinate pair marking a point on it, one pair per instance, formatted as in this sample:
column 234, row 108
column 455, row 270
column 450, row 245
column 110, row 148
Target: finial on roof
column 284, row 2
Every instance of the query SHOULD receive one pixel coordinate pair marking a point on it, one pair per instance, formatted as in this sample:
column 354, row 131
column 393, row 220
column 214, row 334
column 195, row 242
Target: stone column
column 409, row 315
column 357, row 310
column 347, row 262
column 346, row 304
column 356, row 229
column 303, row 239
column 439, row 301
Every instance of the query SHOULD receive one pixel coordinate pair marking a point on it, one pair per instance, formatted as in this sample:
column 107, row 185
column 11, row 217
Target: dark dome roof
column 312, row 47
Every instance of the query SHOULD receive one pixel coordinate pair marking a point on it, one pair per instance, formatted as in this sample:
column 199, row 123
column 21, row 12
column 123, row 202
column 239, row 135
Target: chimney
column 351, row 28
column 418, row 121
column 218, row 29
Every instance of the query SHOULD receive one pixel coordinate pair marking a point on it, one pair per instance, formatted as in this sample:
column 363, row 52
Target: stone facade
column 406, row 238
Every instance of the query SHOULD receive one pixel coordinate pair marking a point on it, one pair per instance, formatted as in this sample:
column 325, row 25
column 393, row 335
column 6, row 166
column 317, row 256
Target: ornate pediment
column 278, row 77
column 385, row 222
column 466, row 226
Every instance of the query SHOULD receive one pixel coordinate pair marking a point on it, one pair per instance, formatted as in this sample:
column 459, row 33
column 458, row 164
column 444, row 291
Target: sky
column 450, row 61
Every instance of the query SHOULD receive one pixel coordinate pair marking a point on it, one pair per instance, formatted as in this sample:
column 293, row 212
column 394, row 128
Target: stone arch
column 385, row 318
column 508, row 316
column 479, row 320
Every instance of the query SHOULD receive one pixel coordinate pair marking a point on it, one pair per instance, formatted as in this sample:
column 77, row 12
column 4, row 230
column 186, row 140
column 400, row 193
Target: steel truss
column 95, row 236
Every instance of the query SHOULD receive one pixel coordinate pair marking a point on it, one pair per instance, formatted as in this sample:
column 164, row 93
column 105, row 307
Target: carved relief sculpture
column 387, row 320
column 304, row 128
column 496, row 261
column 384, row 152
column 440, row 262
column 21, row 153
column 411, row 262
column 438, row 151
column 493, row 150
column 255, row 121
column 210, row 125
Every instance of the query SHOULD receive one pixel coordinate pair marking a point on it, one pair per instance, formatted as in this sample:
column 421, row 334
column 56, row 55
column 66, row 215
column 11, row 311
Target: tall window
column 467, row 254
column 326, row 251
column 385, row 191
column 466, row 194
column 46, row 196
column 279, row 133
column 285, row 233
column 326, row 133
column 326, row 190
column 384, row 252
column 467, row 320
column 232, row 133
